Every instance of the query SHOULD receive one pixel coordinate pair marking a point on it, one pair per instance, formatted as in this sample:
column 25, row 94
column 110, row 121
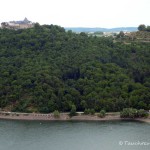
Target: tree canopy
column 45, row 68
column 143, row 27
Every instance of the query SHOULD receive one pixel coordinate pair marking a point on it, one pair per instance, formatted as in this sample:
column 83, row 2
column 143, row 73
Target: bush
column 92, row 111
column 142, row 113
column 73, row 110
column 102, row 113
column 128, row 113
column 133, row 113
column 87, row 111
column 56, row 114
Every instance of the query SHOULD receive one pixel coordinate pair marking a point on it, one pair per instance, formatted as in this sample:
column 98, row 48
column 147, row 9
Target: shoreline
column 65, row 117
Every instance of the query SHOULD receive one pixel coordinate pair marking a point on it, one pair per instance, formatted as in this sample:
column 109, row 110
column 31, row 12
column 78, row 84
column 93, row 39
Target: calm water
column 35, row 135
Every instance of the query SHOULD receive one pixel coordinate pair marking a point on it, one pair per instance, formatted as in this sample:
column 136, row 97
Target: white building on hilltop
column 17, row 24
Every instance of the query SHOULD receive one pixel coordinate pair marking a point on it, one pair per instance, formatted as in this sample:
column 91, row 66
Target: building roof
column 25, row 21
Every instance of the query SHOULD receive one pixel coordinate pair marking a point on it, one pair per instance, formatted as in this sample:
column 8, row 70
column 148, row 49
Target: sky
column 78, row 13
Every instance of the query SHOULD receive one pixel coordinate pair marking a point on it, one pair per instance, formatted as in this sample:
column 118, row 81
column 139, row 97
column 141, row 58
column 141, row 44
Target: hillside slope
column 43, row 69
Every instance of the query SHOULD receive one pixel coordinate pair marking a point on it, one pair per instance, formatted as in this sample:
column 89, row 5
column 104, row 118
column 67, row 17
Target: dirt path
column 63, row 117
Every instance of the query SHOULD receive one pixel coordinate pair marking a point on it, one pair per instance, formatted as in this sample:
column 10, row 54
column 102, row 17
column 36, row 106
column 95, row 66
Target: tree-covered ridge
column 45, row 69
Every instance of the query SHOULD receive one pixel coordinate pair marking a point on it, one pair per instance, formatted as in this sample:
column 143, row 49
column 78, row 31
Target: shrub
column 128, row 113
column 92, row 111
column 133, row 113
column 87, row 111
column 56, row 114
column 73, row 110
column 102, row 113
column 142, row 113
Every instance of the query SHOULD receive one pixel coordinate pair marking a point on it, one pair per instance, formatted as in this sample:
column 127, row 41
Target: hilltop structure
column 17, row 24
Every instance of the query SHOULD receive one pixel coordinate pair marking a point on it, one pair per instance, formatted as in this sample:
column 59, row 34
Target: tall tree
column 142, row 27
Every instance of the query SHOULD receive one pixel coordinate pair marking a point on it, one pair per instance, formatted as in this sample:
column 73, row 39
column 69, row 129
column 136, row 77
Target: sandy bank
column 64, row 117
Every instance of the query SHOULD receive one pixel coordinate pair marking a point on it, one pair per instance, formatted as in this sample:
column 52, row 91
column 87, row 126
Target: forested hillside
column 45, row 68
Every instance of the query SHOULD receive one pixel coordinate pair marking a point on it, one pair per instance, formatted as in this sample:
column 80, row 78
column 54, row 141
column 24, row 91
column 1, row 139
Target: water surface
column 42, row 135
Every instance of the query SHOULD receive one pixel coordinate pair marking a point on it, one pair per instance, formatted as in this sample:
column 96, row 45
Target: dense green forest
column 46, row 68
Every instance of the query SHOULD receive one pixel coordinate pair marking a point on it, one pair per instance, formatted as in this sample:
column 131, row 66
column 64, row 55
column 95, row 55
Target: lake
column 74, row 135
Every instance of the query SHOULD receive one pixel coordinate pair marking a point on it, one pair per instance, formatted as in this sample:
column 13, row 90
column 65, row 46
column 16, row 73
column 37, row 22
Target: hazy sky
column 78, row 13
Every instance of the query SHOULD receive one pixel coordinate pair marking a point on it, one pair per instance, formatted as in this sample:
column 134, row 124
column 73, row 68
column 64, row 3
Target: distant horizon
column 102, row 27
column 76, row 26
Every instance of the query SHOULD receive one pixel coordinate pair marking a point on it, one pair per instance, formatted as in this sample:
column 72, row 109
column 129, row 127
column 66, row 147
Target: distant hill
column 83, row 29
